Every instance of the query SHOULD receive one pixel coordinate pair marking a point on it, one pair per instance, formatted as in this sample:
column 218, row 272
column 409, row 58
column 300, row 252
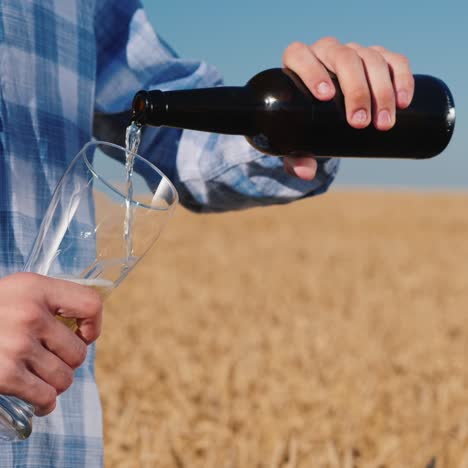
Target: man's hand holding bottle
column 375, row 82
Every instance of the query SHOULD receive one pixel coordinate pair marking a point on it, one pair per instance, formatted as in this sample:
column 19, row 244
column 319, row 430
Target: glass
column 83, row 238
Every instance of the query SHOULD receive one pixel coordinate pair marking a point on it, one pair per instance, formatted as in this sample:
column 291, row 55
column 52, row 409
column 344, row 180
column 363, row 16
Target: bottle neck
column 227, row 110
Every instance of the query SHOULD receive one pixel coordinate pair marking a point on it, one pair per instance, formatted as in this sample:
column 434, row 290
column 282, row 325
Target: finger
column 73, row 300
column 349, row 69
column 40, row 394
column 305, row 167
column 403, row 80
column 380, row 82
column 50, row 368
column 28, row 387
column 324, row 49
column 299, row 58
column 63, row 343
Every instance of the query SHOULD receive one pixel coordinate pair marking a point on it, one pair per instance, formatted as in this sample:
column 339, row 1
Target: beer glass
column 94, row 234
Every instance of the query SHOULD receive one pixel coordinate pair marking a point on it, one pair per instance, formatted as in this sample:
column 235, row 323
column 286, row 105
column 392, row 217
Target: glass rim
column 97, row 143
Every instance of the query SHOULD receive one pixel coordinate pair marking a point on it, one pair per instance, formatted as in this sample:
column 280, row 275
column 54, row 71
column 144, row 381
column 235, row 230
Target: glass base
column 15, row 418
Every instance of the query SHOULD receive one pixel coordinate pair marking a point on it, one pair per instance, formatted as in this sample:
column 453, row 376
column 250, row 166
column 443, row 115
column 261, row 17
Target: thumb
column 304, row 168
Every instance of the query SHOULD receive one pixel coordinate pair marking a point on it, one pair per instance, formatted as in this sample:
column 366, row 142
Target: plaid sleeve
column 211, row 172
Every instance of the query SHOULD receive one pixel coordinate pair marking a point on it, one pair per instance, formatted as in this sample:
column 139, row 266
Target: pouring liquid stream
column 132, row 142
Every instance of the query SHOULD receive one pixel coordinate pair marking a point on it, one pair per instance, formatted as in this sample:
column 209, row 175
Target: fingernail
column 402, row 97
column 384, row 119
column 360, row 116
column 305, row 173
column 324, row 88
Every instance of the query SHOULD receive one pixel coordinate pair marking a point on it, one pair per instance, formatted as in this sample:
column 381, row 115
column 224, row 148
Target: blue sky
column 244, row 37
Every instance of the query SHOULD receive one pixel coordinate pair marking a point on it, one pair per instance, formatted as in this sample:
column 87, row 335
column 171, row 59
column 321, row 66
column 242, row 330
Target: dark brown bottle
column 278, row 115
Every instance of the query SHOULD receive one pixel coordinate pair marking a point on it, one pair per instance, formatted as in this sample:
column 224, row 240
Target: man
column 64, row 61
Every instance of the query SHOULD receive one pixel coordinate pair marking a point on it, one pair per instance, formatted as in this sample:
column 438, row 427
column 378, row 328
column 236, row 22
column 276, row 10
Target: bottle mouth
column 140, row 105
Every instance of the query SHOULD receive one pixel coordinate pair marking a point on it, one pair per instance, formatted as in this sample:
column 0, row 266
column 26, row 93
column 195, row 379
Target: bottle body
column 278, row 115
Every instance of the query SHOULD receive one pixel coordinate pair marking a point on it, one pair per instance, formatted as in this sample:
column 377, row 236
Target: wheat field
column 328, row 333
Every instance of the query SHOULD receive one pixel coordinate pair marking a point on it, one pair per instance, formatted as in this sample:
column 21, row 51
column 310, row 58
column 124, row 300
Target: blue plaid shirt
column 63, row 62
